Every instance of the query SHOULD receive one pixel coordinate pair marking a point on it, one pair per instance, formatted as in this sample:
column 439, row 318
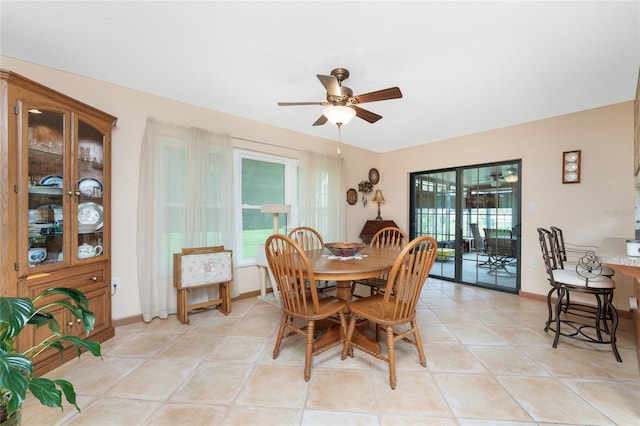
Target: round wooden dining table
column 374, row 261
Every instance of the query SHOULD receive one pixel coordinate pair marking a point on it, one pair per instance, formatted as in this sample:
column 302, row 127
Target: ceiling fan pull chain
column 339, row 138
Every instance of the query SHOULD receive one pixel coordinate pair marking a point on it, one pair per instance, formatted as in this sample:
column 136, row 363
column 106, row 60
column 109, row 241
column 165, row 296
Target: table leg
column 335, row 333
column 263, row 280
column 344, row 290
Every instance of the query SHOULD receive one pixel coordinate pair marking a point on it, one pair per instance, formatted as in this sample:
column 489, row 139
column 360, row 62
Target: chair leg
column 283, row 325
column 550, row 308
column 566, row 306
column 598, row 319
column 309, row 350
column 392, row 357
column 347, row 348
column 418, row 340
column 561, row 293
column 611, row 310
column 343, row 331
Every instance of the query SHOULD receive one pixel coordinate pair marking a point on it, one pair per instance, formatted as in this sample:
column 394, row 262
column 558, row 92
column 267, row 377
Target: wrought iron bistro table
column 374, row 262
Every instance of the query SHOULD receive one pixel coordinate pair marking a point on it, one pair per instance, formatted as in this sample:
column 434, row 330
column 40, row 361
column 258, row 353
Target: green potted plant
column 16, row 368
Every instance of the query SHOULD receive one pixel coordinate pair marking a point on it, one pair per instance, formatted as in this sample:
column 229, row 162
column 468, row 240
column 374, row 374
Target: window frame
column 290, row 196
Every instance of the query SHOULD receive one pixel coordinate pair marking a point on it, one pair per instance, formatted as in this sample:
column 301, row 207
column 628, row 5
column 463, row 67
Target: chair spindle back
column 291, row 270
column 407, row 277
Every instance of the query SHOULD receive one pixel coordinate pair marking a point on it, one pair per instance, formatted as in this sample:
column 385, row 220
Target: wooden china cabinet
column 55, row 203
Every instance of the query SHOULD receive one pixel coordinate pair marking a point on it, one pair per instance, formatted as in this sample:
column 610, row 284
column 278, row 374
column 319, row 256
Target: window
column 179, row 208
column 261, row 179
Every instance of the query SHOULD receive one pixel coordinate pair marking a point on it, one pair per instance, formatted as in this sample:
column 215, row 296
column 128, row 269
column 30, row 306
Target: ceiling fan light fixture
column 511, row 175
column 338, row 114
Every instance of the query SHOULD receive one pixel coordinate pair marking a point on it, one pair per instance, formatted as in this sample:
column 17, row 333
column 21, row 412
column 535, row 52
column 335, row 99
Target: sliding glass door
column 474, row 214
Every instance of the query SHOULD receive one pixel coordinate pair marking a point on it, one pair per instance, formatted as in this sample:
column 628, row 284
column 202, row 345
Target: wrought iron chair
column 386, row 237
column 396, row 307
column 575, row 251
column 479, row 244
column 501, row 249
column 300, row 301
column 590, row 323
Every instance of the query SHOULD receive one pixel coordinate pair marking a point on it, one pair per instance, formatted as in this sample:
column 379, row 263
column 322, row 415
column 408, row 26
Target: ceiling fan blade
column 379, row 95
column 369, row 116
column 320, row 121
column 331, row 84
column 301, row 103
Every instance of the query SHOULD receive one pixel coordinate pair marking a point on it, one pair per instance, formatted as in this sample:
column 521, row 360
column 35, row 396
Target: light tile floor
column 489, row 363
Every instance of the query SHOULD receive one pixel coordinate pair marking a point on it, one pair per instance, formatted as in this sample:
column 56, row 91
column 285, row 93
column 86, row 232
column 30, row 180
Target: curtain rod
column 264, row 143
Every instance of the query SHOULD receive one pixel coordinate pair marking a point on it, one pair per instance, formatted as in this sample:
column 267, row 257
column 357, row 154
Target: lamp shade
column 378, row 198
column 339, row 114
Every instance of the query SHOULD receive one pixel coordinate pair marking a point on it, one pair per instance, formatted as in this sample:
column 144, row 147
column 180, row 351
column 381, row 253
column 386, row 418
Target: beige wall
column 602, row 205
column 132, row 109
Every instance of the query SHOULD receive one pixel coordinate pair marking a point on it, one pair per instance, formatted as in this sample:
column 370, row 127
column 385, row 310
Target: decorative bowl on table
column 344, row 249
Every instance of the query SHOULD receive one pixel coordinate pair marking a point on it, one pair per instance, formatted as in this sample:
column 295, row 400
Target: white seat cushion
column 570, row 277
column 570, row 265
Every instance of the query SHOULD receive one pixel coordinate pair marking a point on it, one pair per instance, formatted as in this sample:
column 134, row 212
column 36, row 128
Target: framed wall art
column 571, row 166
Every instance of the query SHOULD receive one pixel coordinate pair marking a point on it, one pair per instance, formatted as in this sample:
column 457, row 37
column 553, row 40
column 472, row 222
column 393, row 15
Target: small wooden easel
column 201, row 267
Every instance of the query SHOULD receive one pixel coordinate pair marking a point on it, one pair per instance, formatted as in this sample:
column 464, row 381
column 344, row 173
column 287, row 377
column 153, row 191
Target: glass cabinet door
column 89, row 191
column 63, row 169
column 44, row 176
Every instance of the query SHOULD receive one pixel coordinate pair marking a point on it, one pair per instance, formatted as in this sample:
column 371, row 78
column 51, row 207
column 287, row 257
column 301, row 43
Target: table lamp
column 378, row 198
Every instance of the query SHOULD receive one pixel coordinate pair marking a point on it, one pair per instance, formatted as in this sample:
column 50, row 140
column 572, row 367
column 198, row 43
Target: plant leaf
column 69, row 391
column 76, row 295
column 15, row 372
column 46, row 392
column 15, row 313
column 40, row 318
column 87, row 317
column 90, row 345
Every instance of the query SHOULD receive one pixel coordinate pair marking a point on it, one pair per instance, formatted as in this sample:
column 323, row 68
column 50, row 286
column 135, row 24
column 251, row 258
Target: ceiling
column 463, row 67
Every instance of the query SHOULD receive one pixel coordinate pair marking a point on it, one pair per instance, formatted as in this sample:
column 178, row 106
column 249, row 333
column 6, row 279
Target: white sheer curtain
column 321, row 194
column 185, row 200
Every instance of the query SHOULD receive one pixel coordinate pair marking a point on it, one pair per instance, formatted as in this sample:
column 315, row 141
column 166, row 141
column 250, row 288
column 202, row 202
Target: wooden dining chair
column 310, row 239
column 307, row 238
column 391, row 237
column 291, row 269
column 396, row 307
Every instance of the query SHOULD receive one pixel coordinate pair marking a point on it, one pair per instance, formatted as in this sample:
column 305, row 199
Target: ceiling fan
column 496, row 179
column 508, row 176
column 342, row 96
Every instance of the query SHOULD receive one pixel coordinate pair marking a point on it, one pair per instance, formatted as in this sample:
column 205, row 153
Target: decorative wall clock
column 374, row 176
column 352, row 196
